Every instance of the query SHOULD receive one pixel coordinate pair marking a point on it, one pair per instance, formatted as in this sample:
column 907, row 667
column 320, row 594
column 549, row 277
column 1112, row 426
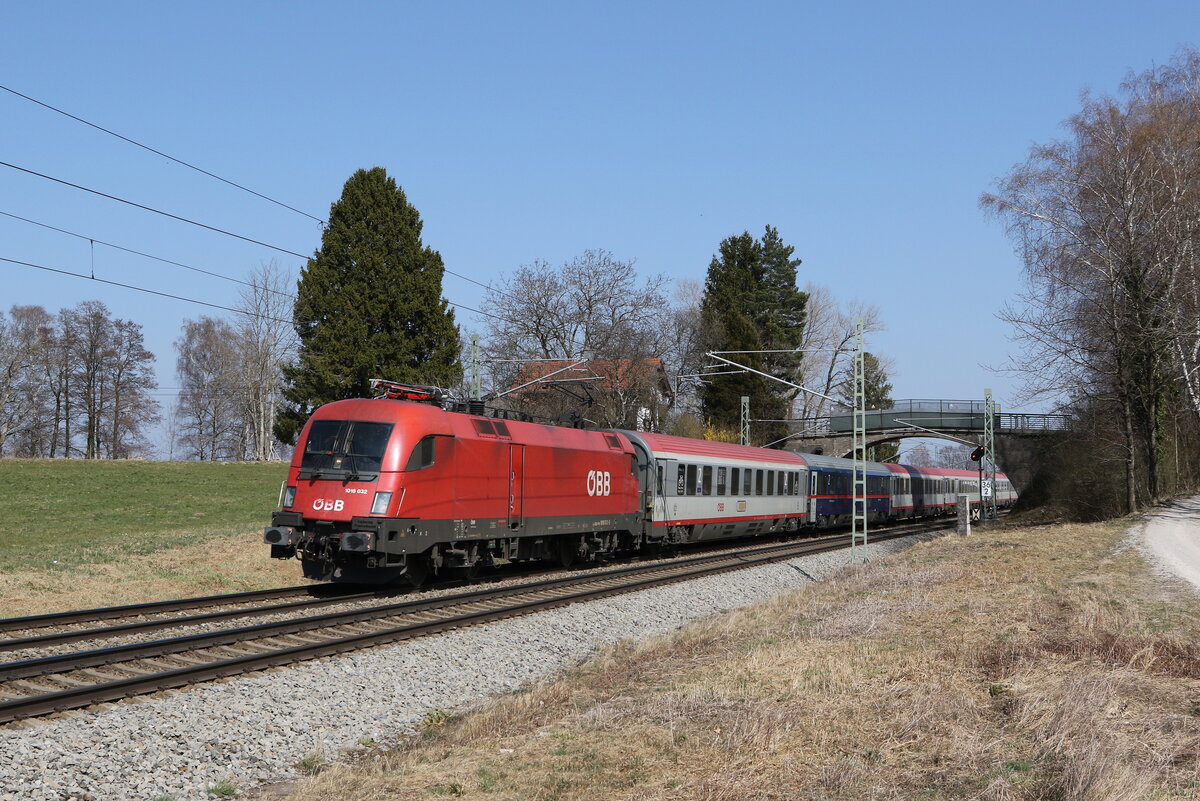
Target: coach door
column 812, row 497
column 516, row 486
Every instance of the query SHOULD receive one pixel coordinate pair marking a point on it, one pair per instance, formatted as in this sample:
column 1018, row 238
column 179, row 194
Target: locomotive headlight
column 382, row 501
column 289, row 497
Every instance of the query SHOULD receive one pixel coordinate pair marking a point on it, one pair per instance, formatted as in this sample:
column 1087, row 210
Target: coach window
column 691, row 479
column 759, row 482
column 770, row 482
column 658, row 477
column 721, row 480
column 706, row 481
column 747, row 480
column 681, row 481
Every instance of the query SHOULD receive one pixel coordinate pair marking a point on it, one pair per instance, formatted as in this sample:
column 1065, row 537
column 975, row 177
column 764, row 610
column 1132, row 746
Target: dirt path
column 1171, row 534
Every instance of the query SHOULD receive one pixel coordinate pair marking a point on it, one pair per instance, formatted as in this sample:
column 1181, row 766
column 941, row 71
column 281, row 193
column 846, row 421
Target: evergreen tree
column 877, row 388
column 751, row 303
column 782, row 310
column 369, row 304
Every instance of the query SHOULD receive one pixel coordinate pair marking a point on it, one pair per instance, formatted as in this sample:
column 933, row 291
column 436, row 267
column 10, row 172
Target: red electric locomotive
column 382, row 488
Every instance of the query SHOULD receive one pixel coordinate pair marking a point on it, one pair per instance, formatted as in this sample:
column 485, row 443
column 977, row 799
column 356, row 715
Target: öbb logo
column 322, row 505
column 599, row 482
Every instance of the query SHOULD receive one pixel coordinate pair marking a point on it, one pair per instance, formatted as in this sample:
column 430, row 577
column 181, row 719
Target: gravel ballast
column 253, row 729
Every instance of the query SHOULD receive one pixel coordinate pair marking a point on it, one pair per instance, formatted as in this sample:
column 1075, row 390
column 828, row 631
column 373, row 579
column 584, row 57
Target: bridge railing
column 1033, row 422
column 961, row 416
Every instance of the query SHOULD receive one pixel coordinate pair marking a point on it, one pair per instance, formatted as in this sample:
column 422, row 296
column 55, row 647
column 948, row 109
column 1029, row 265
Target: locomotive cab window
column 344, row 448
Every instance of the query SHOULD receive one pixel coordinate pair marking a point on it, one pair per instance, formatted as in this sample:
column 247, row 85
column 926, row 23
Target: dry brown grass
column 220, row 564
column 1018, row 664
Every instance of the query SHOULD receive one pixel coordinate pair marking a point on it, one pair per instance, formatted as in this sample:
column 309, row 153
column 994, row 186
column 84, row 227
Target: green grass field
column 62, row 513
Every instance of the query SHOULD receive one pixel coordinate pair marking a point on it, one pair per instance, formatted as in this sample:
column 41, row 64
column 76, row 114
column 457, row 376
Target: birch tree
column 265, row 346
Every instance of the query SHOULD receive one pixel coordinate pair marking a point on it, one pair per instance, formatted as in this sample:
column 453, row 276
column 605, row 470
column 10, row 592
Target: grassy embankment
column 1020, row 663
column 89, row 533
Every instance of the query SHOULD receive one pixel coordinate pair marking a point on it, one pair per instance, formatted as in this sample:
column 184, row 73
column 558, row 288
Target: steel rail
column 638, row 577
column 104, row 632
column 152, row 607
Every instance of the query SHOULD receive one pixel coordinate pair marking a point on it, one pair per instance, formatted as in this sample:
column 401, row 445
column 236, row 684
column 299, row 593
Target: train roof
column 420, row 419
column 937, row 472
column 836, row 462
column 684, row 446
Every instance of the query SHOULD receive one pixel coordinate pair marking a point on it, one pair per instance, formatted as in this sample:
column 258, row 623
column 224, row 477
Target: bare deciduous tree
column 592, row 308
column 265, row 342
column 208, row 412
column 79, row 371
column 828, row 348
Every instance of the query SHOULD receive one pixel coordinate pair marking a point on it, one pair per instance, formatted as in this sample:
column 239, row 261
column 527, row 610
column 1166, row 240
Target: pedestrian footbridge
column 954, row 420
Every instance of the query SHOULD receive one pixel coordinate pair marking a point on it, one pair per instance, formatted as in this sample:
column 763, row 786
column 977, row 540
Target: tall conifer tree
column 751, row 303
column 369, row 304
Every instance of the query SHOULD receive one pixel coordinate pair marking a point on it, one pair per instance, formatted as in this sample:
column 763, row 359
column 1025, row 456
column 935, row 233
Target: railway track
column 52, row 619
column 49, row 684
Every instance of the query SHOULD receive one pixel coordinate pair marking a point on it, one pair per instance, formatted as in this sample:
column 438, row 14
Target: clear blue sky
column 864, row 132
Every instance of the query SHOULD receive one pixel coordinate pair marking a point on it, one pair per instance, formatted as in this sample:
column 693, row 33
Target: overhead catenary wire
column 183, row 298
column 201, row 225
column 210, row 174
column 136, row 288
column 160, row 153
column 154, row 210
column 208, row 272
column 146, row 255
